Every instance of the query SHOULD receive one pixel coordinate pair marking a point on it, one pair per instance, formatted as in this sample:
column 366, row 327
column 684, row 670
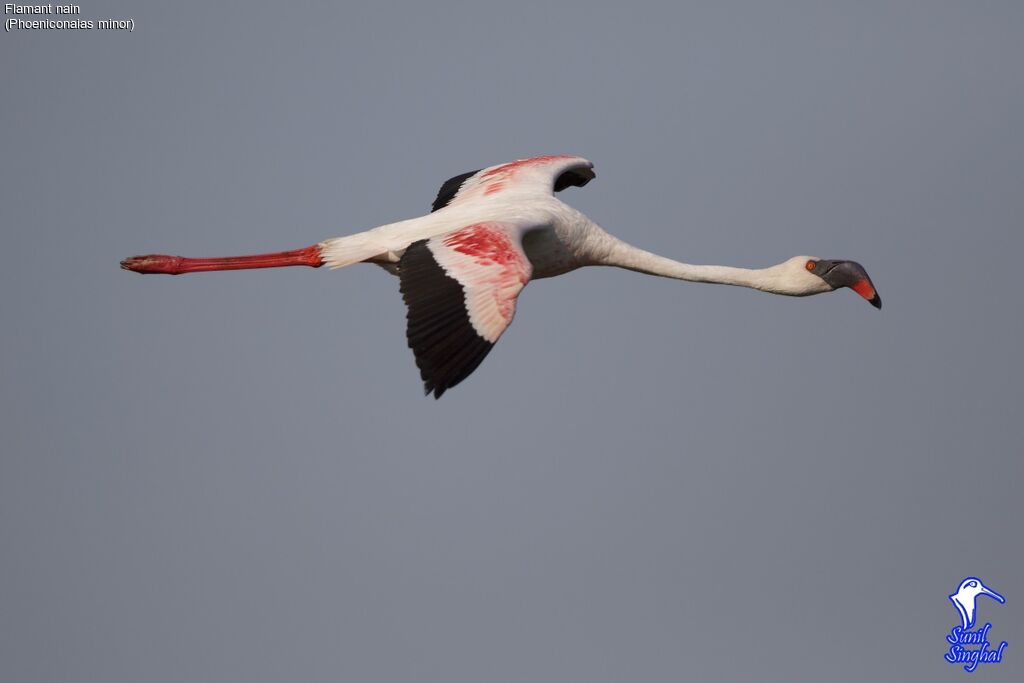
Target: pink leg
column 175, row 265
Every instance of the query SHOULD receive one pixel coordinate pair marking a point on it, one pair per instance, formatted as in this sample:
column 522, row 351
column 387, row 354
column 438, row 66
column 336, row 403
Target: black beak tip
column 876, row 301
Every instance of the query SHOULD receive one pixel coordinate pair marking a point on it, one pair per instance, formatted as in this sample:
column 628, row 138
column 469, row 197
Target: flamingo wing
column 460, row 289
column 522, row 178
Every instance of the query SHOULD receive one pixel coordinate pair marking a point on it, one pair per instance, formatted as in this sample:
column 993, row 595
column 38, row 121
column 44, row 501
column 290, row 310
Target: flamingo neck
column 623, row 255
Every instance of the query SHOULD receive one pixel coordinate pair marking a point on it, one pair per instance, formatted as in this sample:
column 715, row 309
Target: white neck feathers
column 774, row 279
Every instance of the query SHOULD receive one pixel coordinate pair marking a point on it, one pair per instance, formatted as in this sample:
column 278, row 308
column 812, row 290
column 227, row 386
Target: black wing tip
column 430, row 387
column 446, row 346
column 450, row 188
column 574, row 177
column 451, row 362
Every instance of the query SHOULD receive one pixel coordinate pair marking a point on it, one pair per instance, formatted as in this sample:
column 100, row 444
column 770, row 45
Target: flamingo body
column 490, row 232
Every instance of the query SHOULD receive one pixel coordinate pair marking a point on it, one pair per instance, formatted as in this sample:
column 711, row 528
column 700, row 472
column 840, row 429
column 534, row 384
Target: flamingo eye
column 811, row 265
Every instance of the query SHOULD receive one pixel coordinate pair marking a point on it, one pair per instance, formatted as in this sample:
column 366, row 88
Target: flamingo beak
column 849, row 274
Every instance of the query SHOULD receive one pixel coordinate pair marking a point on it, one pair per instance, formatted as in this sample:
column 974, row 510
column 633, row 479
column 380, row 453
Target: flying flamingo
column 461, row 267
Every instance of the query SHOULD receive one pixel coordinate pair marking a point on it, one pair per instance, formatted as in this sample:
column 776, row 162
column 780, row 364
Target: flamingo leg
column 176, row 265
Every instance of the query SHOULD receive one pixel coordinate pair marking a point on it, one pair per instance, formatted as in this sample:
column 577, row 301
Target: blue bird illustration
column 966, row 595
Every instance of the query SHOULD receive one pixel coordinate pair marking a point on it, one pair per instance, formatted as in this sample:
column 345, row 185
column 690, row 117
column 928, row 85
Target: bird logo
column 967, row 594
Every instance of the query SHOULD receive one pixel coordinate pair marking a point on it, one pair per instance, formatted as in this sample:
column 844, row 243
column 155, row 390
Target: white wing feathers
column 526, row 177
column 461, row 289
column 519, row 181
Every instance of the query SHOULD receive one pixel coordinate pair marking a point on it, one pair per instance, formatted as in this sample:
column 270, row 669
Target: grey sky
column 234, row 476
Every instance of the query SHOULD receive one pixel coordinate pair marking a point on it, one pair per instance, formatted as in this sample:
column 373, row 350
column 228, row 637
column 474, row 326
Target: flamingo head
column 812, row 275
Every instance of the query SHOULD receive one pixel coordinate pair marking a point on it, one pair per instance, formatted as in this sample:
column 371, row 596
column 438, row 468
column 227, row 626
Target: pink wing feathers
column 535, row 176
column 461, row 289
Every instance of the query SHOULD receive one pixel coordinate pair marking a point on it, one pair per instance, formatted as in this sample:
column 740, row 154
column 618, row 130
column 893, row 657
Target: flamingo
column 491, row 231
